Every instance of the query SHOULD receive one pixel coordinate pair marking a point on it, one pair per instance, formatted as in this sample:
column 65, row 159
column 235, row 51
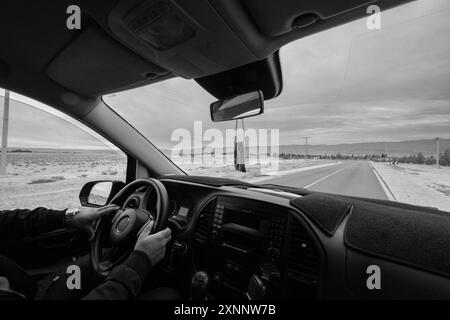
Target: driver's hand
column 84, row 220
column 153, row 245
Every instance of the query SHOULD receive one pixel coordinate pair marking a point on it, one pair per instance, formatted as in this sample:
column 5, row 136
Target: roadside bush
column 38, row 181
column 47, row 180
column 445, row 158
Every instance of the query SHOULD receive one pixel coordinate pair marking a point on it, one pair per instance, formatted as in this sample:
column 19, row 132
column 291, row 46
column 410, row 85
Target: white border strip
column 281, row 173
column 383, row 184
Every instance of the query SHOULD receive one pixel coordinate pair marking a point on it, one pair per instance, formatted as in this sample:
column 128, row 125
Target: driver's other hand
column 153, row 245
column 85, row 219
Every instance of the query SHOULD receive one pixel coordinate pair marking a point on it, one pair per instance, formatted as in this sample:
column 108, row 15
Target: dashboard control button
column 273, row 252
column 180, row 247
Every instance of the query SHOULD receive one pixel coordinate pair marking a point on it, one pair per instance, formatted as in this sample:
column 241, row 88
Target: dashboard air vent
column 304, row 258
column 202, row 227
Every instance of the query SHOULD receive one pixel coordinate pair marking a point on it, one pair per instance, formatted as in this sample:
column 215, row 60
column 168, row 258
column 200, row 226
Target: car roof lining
column 110, row 66
column 36, row 47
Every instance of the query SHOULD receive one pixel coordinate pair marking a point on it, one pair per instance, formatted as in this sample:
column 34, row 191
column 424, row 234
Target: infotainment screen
column 243, row 218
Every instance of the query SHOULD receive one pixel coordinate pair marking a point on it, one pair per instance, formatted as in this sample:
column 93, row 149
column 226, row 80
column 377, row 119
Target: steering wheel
column 116, row 234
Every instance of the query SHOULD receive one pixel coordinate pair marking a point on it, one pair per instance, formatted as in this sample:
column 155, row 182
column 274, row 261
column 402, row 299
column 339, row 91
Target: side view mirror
column 99, row 193
column 242, row 106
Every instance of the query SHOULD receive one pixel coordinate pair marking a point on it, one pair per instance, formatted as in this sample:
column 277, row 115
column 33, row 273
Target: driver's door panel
column 46, row 249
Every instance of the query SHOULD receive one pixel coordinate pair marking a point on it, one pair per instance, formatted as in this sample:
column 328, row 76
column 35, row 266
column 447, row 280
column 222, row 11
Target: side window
column 49, row 157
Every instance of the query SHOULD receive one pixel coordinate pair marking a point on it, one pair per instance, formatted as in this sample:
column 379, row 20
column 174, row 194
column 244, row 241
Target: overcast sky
column 343, row 85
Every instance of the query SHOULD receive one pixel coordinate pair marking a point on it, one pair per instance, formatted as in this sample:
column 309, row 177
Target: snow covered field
column 422, row 185
column 53, row 179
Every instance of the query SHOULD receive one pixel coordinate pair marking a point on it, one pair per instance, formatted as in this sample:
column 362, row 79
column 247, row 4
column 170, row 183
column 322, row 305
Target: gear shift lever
column 199, row 285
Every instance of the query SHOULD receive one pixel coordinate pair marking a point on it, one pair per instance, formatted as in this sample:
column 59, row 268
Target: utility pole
column 437, row 151
column 5, row 134
column 306, row 145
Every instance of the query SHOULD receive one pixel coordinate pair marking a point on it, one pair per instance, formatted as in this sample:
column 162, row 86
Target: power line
column 437, row 151
column 306, row 145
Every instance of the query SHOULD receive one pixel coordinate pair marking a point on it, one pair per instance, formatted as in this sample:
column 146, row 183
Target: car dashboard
column 256, row 242
column 249, row 245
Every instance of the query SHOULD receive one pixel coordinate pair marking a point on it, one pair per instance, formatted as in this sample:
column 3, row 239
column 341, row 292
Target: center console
column 248, row 230
column 246, row 245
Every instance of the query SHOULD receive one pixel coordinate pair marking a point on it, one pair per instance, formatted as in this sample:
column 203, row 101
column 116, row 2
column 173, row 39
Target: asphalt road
column 352, row 178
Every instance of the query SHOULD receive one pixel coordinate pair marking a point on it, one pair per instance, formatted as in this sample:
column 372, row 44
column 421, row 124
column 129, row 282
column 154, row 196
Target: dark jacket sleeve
column 125, row 281
column 20, row 223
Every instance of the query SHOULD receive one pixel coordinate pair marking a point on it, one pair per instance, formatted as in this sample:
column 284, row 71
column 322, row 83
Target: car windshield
column 364, row 111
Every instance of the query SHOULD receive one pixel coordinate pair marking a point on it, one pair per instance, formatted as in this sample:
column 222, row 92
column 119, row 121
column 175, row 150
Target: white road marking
column 277, row 174
column 384, row 186
column 326, row 177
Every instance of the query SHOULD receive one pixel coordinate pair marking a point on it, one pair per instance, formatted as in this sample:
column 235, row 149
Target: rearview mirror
column 238, row 107
column 99, row 193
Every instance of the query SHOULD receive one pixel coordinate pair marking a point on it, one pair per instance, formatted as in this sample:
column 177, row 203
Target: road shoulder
column 421, row 185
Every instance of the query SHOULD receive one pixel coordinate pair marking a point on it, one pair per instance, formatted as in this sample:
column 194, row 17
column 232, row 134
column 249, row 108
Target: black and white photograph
column 224, row 157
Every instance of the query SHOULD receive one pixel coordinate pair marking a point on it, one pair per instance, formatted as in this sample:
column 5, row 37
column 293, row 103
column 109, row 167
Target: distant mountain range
column 397, row 148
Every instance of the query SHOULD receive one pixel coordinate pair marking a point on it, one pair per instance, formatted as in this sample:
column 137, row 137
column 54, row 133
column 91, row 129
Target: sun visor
column 94, row 64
